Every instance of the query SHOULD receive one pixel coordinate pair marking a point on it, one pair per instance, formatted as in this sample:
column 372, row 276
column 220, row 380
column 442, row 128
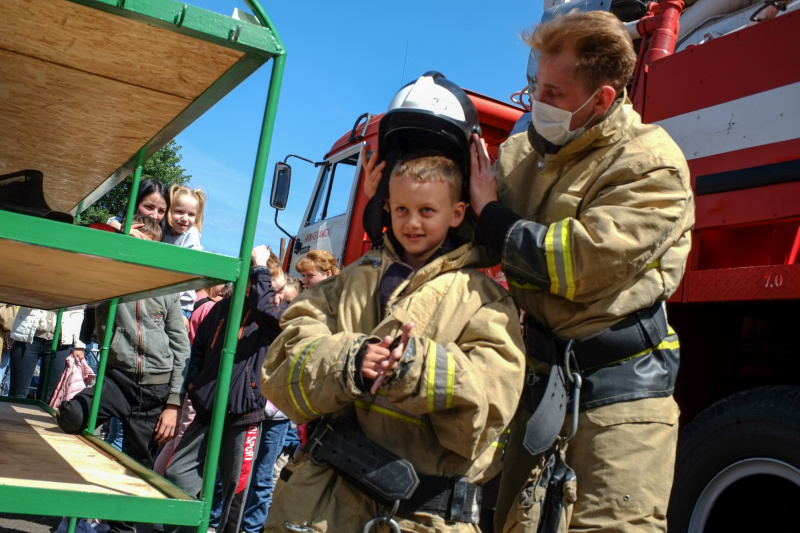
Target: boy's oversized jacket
column 444, row 409
column 150, row 342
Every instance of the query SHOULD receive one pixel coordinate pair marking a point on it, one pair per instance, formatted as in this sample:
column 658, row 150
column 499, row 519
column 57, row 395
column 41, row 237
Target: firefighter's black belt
column 452, row 498
column 545, row 396
column 374, row 470
column 638, row 332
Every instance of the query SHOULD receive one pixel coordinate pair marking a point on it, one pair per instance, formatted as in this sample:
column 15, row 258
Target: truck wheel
column 738, row 465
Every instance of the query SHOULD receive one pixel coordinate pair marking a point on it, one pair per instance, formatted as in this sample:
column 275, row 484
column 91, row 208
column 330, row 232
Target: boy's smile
column 422, row 212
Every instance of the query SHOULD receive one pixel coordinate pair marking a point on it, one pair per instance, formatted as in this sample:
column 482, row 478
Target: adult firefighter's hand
column 372, row 172
column 482, row 183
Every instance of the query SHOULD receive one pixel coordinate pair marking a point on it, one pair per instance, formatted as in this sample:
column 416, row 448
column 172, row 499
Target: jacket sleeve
column 469, row 389
column 305, row 371
column 624, row 230
column 179, row 346
column 266, row 314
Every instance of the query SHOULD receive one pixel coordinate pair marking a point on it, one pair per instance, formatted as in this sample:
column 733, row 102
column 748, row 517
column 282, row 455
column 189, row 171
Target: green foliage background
column 164, row 166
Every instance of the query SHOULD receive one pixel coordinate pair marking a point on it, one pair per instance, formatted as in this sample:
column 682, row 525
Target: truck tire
column 738, row 465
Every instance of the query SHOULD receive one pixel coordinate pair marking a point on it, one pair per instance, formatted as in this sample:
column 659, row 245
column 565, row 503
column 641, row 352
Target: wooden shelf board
column 61, row 461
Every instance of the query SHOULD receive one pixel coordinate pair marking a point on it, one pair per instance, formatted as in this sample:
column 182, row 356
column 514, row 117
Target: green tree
column 164, row 166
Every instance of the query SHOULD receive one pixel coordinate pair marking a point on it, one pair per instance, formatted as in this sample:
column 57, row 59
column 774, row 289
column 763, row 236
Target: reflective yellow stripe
column 523, row 285
column 566, row 254
column 371, row 407
column 496, row 444
column 663, row 345
column 294, row 381
column 451, row 379
column 654, row 264
column 551, row 259
column 431, row 376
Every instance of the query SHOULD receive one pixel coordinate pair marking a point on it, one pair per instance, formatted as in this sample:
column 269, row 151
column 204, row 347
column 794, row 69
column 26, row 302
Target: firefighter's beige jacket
column 618, row 207
column 446, row 407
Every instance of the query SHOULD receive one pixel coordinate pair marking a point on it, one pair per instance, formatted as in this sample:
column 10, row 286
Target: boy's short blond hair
column 432, row 168
column 151, row 228
column 319, row 260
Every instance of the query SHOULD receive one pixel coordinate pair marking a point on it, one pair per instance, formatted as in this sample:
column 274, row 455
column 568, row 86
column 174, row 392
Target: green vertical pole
column 137, row 176
column 101, row 367
column 47, row 375
column 237, row 300
column 112, row 307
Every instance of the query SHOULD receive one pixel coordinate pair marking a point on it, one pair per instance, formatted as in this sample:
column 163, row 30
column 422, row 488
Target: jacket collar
column 607, row 131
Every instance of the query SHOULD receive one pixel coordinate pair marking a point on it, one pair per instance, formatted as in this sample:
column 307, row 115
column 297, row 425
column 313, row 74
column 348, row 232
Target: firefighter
column 408, row 448
column 590, row 214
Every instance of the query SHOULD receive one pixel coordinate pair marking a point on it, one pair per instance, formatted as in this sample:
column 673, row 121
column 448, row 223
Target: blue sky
column 344, row 59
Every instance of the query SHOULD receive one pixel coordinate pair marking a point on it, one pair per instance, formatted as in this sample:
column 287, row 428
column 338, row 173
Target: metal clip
column 318, row 442
column 383, row 520
column 302, row 528
column 571, row 362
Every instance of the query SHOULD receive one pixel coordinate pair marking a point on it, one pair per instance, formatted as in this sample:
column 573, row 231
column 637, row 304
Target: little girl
column 184, row 224
column 185, row 217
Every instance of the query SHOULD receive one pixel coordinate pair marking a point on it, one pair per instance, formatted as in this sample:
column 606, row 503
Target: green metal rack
column 88, row 90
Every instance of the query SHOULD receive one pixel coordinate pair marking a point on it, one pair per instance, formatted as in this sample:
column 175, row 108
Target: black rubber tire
column 744, row 451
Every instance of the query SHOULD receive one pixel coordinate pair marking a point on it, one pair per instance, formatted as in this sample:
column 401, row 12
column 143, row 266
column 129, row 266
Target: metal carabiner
column 318, row 442
column 577, row 381
column 302, row 528
column 382, row 520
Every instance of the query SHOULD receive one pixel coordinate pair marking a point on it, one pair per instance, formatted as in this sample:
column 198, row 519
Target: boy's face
column 422, row 212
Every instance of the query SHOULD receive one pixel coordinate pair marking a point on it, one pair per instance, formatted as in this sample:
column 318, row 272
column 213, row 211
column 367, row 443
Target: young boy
column 315, row 266
column 447, row 342
column 143, row 385
column 245, row 409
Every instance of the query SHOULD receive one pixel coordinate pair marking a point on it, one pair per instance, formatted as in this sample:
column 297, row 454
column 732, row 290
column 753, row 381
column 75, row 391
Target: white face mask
column 553, row 123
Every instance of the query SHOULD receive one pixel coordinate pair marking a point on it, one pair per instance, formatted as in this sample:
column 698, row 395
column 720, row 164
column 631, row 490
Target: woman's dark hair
column 147, row 187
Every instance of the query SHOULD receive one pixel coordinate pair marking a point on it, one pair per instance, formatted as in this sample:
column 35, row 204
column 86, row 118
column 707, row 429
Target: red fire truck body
column 730, row 97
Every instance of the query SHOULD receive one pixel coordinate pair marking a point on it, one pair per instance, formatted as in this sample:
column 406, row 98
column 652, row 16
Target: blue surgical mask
column 553, row 123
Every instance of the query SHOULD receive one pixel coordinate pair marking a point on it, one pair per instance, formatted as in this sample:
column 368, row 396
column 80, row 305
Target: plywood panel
column 47, row 278
column 111, row 46
column 37, row 454
column 75, row 127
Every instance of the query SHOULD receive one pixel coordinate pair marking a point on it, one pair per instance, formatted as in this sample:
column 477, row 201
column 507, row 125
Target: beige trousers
column 624, row 458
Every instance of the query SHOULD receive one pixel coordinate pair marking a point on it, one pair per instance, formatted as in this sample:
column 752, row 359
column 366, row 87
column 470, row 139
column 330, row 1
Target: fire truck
column 719, row 76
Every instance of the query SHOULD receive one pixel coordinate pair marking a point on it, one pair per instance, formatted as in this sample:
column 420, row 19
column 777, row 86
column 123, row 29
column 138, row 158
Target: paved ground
column 27, row 524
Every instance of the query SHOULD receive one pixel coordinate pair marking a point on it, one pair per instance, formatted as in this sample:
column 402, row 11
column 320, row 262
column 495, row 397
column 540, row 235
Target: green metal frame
column 260, row 46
